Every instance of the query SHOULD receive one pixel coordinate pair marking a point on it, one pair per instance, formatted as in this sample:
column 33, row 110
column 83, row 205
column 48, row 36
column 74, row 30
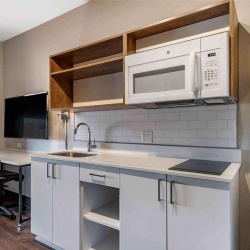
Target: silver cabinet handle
column 48, row 176
column 171, row 192
column 53, row 170
column 103, row 176
column 159, row 189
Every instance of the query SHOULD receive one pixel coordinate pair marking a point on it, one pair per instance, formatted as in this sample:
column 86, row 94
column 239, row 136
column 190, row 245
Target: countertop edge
column 227, row 176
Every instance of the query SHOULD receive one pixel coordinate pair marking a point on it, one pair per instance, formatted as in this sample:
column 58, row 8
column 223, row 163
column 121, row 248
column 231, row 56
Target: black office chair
column 6, row 176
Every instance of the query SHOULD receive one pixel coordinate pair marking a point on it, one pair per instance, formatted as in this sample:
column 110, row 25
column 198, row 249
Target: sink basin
column 72, row 154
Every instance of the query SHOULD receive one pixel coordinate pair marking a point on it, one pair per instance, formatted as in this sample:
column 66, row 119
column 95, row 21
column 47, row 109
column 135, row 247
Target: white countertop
column 145, row 163
column 14, row 158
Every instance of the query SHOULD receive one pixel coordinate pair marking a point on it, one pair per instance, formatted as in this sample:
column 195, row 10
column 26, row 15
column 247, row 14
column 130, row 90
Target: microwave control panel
column 210, row 69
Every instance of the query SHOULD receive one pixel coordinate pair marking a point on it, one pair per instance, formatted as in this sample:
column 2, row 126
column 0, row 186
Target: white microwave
column 193, row 72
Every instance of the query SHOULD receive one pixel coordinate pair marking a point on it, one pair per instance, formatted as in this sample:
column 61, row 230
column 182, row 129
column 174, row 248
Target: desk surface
column 14, row 158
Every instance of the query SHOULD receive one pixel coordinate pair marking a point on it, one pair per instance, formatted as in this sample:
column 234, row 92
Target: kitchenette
column 140, row 140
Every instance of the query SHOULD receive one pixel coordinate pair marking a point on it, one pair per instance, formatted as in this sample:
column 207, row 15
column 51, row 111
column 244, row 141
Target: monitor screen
column 26, row 117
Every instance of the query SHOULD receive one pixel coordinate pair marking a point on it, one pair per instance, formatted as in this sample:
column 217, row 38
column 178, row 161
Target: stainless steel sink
column 72, row 154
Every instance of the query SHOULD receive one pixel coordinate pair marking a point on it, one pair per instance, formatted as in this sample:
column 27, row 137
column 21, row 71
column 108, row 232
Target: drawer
column 100, row 175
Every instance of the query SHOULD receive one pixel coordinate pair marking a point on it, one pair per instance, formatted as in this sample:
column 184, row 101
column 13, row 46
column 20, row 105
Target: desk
column 20, row 160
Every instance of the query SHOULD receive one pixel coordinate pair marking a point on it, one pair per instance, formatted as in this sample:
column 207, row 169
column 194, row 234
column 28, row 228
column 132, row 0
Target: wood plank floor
column 11, row 240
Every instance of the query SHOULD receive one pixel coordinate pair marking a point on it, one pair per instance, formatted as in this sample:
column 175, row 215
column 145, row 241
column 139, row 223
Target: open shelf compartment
column 103, row 48
column 109, row 243
column 105, row 67
column 107, row 215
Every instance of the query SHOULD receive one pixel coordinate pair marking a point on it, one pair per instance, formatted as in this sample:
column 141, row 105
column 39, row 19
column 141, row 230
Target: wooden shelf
column 107, row 215
column 109, row 243
column 92, row 51
column 206, row 13
column 64, row 69
column 105, row 67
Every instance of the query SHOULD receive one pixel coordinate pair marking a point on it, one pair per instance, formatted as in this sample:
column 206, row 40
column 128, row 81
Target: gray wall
column 1, row 94
column 26, row 64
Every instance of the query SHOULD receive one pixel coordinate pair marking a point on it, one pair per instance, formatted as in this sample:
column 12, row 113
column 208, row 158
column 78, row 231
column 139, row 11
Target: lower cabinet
column 202, row 214
column 91, row 207
column 55, row 208
column 143, row 214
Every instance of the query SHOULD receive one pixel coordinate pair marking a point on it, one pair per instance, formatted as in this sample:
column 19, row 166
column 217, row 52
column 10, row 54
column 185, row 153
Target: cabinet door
column 66, row 205
column 142, row 215
column 199, row 217
column 41, row 199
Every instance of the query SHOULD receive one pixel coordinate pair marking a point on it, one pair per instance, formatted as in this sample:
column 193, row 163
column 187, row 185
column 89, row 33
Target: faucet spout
column 89, row 134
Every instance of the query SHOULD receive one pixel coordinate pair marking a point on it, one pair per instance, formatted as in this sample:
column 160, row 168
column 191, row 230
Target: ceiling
column 18, row 16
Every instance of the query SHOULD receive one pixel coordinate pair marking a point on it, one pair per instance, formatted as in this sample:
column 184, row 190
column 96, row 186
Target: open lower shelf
column 107, row 215
column 99, row 68
column 109, row 243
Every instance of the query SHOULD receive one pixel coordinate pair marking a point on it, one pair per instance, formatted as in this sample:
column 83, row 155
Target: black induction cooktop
column 202, row 166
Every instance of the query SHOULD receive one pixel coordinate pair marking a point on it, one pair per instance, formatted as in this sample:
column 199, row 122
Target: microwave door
column 164, row 80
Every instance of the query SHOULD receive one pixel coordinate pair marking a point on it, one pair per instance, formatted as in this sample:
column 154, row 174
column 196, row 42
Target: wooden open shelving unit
column 107, row 57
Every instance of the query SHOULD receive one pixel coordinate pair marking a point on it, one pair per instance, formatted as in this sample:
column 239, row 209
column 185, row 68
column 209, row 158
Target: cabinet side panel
column 41, row 201
column 234, row 189
column 61, row 94
column 234, row 67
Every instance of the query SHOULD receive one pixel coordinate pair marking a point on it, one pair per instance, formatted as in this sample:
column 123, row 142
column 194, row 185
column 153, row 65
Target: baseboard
column 47, row 243
column 26, row 199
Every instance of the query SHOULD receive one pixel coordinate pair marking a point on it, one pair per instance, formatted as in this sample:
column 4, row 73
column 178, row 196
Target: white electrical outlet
column 19, row 145
column 147, row 137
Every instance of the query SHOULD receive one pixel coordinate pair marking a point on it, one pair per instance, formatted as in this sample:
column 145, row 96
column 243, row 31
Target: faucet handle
column 94, row 146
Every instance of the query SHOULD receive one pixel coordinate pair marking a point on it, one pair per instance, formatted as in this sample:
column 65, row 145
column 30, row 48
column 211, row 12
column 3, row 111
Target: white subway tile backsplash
column 207, row 134
column 208, row 126
column 148, row 125
column 179, row 125
column 188, row 116
column 141, row 117
column 207, row 115
column 217, row 124
column 197, row 124
column 227, row 134
column 217, row 143
column 162, row 125
column 226, row 114
column 172, row 116
column 188, row 133
column 171, row 133
column 197, row 142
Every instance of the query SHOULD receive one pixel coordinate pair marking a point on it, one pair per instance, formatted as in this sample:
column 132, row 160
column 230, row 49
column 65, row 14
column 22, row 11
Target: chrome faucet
column 90, row 146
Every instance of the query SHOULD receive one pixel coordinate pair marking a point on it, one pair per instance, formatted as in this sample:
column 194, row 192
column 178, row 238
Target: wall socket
column 19, row 145
column 147, row 137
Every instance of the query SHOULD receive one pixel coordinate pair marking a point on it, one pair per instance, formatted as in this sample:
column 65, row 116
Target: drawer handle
column 53, row 170
column 171, row 192
column 159, row 190
column 48, row 176
column 103, row 176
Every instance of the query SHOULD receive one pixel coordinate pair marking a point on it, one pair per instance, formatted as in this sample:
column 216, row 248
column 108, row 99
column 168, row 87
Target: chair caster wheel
column 12, row 217
column 19, row 229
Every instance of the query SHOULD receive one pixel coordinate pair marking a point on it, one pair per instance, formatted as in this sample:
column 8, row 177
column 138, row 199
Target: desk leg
column 20, row 202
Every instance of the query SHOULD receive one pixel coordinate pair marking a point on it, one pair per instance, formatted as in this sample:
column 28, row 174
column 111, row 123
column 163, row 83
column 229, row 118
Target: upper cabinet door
column 66, row 205
column 198, row 214
column 142, row 215
column 41, row 199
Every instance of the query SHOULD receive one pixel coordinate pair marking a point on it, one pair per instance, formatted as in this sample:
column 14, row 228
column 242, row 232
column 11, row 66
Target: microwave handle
column 192, row 71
